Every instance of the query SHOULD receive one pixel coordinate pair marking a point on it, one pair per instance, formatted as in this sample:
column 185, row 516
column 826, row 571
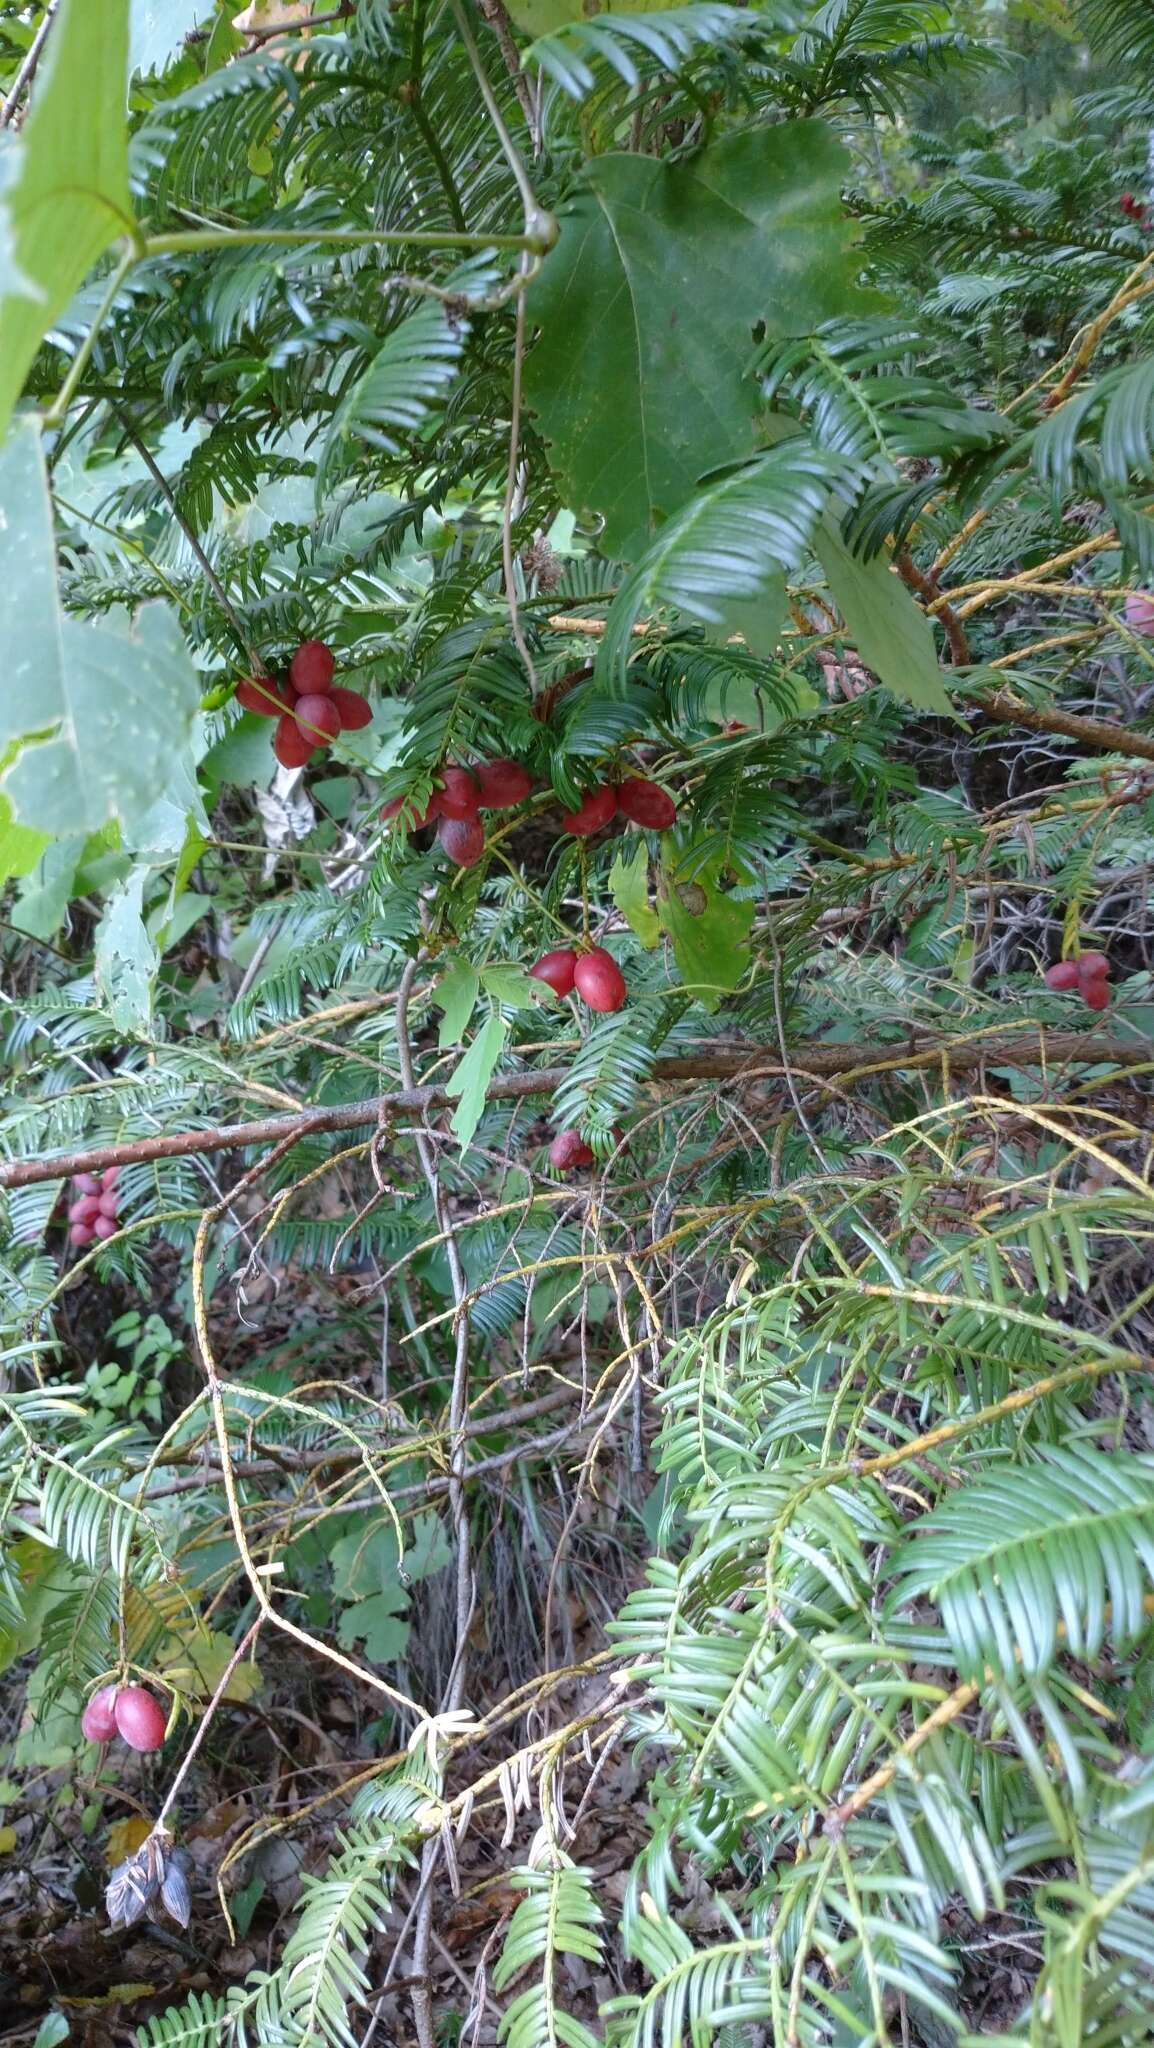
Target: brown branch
column 926, row 588
column 1030, row 1045
column 1009, row 709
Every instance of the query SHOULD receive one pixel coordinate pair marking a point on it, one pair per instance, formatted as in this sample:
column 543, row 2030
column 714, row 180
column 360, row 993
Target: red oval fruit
column 595, row 811
column 104, row 1226
column 459, row 795
column 556, row 968
column 599, row 981
column 502, row 784
column 86, row 1184
column 644, row 803
column 1093, row 967
column 266, row 695
column 108, row 1203
column 108, row 1178
column 569, row 1150
column 355, row 711
column 81, row 1234
column 317, row 719
column 291, row 746
column 1096, row 995
column 1063, row 974
column 140, row 1719
column 463, row 839
column 85, row 1209
column 1139, row 612
column 415, row 820
column 98, row 1721
column 311, row 668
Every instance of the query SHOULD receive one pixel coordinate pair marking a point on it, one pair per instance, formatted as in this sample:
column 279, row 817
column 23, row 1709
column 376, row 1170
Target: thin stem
column 251, row 654
column 80, row 361
column 27, row 71
column 507, row 562
column 206, row 1720
column 512, row 154
column 191, row 241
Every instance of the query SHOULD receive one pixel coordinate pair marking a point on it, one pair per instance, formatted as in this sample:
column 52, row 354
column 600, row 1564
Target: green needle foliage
column 735, row 1550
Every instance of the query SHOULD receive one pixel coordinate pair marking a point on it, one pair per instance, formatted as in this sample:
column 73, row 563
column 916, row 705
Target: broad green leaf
column 647, row 309
column 126, row 960
column 65, row 191
column 45, row 891
column 102, row 710
column 511, row 985
column 456, row 996
column 21, row 848
column 427, row 1547
column 890, row 631
column 629, row 887
column 709, row 927
column 196, row 1662
column 472, row 1075
column 758, row 620
column 379, row 1623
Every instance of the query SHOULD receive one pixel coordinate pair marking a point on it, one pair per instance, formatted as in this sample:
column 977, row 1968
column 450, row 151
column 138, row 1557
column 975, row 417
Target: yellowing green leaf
column 709, row 927
column 629, row 887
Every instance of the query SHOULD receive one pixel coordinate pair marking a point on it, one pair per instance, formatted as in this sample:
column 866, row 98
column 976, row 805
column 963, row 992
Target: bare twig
column 1031, row 1046
column 27, row 71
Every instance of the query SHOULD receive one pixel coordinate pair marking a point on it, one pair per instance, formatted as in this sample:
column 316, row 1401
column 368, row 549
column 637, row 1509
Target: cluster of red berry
column 462, row 793
column 94, row 1212
column 125, row 1710
column 309, row 708
column 594, row 975
column 1134, row 210
column 1089, row 974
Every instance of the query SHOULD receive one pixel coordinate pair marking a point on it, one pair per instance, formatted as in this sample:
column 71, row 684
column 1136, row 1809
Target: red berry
column 81, row 1234
column 139, row 1718
column 643, row 803
column 599, row 981
column 108, row 1203
column 502, row 784
column 98, row 1721
column 459, row 794
column 557, row 969
column 415, row 820
column 568, row 1150
column 291, row 746
column 317, row 719
column 1093, row 967
column 463, row 839
column 1138, row 613
column 85, row 1209
column 105, row 1226
column 355, row 711
column 265, row 695
column 595, row 811
column 109, row 1178
column 86, row 1184
column 1096, row 995
column 1063, row 974
column 311, row 668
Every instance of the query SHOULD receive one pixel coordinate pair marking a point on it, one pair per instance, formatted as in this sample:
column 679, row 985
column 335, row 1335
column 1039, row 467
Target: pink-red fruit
column 463, row 839
column 311, row 668
column 139, row 1718
column 643, row 803
column 291, row 746
column 502, row 784
column 1062, row 975
column 1139, row 612
column 459, row 795
column 87, row 1184
column 1093, row 967
column 85, row 1209
column 264, row 695
column 107, row 1204
column 354, row 710
column 594, row 812
column 569, row 1150
column 98, row 1721
column 104, row 1226
column 415, row 820
column 599, row 981
column 1096, row 995
column 556, row 968
column 317, row 719
column 81, row 1234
